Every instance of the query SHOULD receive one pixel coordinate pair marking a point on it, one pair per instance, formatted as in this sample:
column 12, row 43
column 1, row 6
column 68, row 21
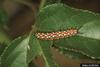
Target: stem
column 42, row 3
column 26, row 4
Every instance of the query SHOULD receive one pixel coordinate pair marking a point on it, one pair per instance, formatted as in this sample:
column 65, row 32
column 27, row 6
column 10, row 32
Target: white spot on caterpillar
column 57, row 35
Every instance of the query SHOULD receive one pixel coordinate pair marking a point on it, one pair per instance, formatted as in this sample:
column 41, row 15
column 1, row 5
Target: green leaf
column 2, row 47
column 87, row 46
column 86, row 42
column 38, row 47
column 73, row 54
column 91, row 30
column 59, row 17
column 34, row 48
column 46, row 53
column 15, row 55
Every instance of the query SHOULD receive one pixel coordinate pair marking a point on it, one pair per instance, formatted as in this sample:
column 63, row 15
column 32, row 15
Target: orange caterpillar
column 56, row 35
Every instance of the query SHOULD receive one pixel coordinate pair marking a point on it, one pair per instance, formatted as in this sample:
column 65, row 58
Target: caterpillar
column 57, row 35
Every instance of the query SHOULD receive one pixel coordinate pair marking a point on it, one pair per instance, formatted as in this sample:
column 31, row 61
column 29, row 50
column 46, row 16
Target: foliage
column 15, row 55
column 3, row 17
column 56, row 17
